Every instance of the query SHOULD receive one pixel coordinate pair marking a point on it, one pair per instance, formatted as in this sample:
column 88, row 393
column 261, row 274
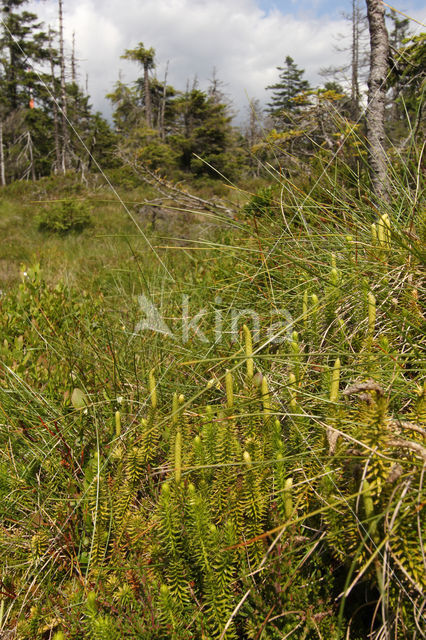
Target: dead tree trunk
column 31, row 157
column 379, row 56
column 55, row 109
column 2, row 171
column 73, row 65
column 65, row 135
column 147, row 94
column 92, row 149
column 355, row 97
column 162, row 110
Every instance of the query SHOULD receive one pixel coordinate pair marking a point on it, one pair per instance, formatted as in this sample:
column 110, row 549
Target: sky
column 245, row 40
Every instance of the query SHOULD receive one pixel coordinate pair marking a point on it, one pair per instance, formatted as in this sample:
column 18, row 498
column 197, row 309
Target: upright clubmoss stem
column 368, row 504
column 249, row 352
column 384, row 233
column 117, row 423
column 387, row 229
column 288, row 498
column 152, row 389
column 178, row 458
column 229, row 384
column 381, row 233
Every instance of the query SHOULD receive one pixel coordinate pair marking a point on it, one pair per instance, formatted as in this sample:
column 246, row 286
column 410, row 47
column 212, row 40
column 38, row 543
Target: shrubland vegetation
column 233, row 481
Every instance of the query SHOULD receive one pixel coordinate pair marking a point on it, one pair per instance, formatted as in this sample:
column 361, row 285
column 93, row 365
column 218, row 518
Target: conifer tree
column 23, row 48
column 64, row 102
column 127, row 111
column 409, row 74
column 253, row 131
column 55, row 113
column 215, row 90
column 162, row 111
column 2, row 169
column 22, row 45
column 291, row 84
column 204, row 130
column 357, row 51
column 145, row 57
column 397, row 36
column 399, row 32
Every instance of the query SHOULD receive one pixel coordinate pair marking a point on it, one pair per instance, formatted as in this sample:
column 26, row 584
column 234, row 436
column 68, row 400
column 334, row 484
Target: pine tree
column 127, row 112
column 55, row 111
column 135, row 137
column 64, row 102
column 397, row 36
column 2, row 169
column 253, row 131
column 400, row 31
column 204, row 130
column 290, row 86
column 145, row 57
column 22, row 46
column 26, row 130
column 162, row 111
column 408, row 73
column 215, row 90
column 355, row 47
column 183, row 126
column 101, row 143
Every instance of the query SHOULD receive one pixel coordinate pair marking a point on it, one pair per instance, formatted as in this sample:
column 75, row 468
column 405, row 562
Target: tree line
column 47, row 124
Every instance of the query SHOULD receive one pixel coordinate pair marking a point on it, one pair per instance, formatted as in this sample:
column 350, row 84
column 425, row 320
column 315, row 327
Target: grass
column 75, row 256
column 152, row 487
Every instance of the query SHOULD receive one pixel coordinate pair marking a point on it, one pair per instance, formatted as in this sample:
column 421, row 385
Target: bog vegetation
column 260, row 476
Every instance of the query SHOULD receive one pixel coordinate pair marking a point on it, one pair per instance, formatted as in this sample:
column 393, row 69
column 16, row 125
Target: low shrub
column 65, row 216
column 261, row 203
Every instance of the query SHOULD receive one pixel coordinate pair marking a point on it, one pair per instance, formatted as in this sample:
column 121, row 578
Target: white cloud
column 244, row 43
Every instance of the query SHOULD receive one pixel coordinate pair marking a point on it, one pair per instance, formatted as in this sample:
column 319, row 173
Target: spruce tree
column 23, row 45
column 205, row 141
column 144, row 57
column 407, row 79
column 354, row 47
column 26, row 130
column 291, row 84
column 397, row 37
column 127, row 111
